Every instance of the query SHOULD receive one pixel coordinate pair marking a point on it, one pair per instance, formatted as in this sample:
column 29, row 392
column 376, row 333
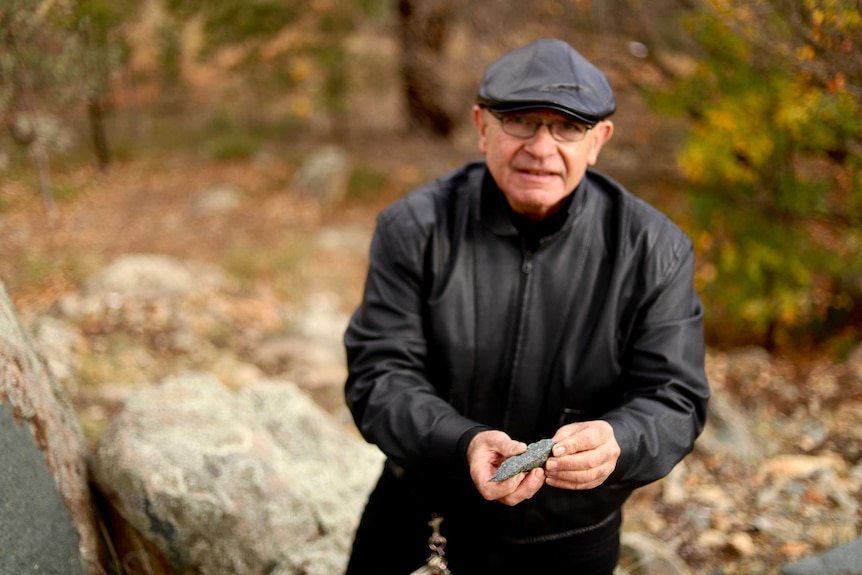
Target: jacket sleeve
column 666, row 390
column 393, row 403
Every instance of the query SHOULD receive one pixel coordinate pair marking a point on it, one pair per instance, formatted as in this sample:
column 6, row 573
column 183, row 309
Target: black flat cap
column 547, row 74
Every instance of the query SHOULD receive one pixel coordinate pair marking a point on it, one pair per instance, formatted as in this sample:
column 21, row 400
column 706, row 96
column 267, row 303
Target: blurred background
column 142, row 139
column 741, row 120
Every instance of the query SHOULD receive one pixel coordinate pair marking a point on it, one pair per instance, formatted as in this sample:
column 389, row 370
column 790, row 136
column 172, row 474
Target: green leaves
column 772, row 164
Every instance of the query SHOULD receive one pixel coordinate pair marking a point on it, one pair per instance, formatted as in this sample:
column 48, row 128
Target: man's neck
column 532, row 231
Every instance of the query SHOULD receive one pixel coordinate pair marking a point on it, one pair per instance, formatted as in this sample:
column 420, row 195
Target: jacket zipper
column 526, row 268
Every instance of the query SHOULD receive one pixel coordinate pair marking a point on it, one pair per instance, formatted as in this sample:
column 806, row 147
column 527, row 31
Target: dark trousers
column 392, row 539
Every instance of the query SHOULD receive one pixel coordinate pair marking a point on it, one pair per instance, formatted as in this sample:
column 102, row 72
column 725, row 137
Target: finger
column 584, row 436
column 497, row 491
column 582, row 470
column 515, row 448
column 580, row 461
column 519, row 487
column 503, row 444
column 529, row 485
column 569, row 430
column 492, row 446
column 534, row 481
column 585, row 479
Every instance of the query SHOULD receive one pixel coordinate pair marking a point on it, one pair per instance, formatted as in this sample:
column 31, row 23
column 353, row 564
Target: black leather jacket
column 462, row 327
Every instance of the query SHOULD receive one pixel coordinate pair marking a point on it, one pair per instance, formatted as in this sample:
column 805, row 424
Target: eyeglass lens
column 522, row 126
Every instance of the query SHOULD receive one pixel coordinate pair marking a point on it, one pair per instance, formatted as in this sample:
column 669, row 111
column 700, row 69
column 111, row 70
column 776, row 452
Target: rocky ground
column 776, row 478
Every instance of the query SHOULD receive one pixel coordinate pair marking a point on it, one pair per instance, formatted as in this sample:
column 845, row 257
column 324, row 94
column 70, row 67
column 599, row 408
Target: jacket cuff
column 465, row 440
column 448, row 437
column 628, row 448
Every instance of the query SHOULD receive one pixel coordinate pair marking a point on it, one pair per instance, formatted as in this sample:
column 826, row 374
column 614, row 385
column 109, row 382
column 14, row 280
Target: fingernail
column 559, row 450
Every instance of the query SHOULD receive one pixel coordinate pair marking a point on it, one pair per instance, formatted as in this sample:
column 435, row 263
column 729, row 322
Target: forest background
column 740, row 119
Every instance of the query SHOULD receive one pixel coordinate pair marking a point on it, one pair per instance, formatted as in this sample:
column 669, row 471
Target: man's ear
column 599, row 136
column 479, row 120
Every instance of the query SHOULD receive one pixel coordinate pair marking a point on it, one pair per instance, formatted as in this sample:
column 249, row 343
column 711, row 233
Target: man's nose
column 542, row 143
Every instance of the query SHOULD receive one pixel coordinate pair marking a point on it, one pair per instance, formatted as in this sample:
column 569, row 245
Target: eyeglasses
column 522, row 126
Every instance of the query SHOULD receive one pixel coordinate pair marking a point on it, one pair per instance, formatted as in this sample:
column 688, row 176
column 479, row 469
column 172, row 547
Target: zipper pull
column 527, row 263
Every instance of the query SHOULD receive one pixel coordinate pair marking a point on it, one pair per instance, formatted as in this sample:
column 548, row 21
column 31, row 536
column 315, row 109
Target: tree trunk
column 424, row 26
column 96, row 112
column 40, row 159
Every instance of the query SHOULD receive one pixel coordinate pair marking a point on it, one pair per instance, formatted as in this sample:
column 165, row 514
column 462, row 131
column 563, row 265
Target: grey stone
column 535, row 456
column 147, row 277
column 218, row 200
column 729, row 431
column 46, row 469
column 44, row 131
column 257, row 481
column 749, row 365
column 37, row 534
column 843, row 560
column 61, row 345
column 649, row 555
column 324, row 175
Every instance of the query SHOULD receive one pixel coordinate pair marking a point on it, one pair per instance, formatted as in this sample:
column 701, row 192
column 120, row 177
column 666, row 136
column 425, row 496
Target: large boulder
column 647, row 555
column 149, row 277
column 324, row 175
column 843, row 560
column 261, row 480
column 138, row 288
column 47, row 522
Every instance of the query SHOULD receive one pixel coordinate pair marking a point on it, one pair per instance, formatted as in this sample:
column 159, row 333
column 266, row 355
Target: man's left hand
column 485, row 454
column 584, row 455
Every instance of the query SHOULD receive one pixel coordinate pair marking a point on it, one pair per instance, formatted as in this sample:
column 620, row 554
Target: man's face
column 537, row 173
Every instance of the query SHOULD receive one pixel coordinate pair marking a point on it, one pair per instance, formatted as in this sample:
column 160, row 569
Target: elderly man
column 522, row 298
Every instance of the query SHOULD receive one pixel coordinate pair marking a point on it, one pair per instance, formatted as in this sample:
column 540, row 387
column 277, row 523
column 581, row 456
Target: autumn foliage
column 773, row 167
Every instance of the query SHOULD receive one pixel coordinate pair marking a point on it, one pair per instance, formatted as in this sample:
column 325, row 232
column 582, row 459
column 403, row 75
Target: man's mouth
column 532, row 172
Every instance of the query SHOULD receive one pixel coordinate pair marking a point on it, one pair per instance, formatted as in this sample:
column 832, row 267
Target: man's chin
column 536, row 210
column 538, row 198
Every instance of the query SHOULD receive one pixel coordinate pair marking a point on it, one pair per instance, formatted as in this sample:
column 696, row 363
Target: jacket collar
column 494, row 211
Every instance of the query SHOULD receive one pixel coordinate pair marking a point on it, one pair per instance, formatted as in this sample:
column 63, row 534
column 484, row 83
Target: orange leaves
column 837, row 83
column 770, row 161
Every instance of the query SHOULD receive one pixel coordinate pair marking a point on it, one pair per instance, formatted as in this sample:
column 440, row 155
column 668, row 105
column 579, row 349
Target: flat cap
column 547, row 74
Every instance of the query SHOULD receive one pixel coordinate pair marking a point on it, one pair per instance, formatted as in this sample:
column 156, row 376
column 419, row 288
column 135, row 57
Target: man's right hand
column 485, row 454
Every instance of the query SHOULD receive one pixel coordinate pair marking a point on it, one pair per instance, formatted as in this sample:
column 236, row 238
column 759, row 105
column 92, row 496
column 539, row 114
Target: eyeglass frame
column 537, row 125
